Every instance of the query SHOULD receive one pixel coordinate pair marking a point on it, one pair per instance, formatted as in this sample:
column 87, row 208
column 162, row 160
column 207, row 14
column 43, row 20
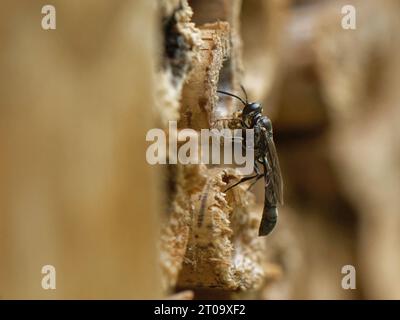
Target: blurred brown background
column 75, row 107
column 76, row 103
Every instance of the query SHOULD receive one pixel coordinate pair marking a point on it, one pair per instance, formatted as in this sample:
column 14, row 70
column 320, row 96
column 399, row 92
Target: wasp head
column 250, row 112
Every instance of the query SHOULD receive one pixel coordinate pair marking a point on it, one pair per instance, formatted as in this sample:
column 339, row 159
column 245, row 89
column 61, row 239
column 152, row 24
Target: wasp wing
column 274, row 182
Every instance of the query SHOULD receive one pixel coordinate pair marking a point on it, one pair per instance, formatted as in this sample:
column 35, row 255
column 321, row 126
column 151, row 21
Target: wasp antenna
column 232, row 95
column 245, row 93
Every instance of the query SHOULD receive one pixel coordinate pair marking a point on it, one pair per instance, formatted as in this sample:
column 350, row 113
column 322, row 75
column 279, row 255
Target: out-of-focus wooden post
column 76, row 191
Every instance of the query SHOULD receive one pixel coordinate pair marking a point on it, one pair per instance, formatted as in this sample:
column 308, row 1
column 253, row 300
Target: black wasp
column 264, row 154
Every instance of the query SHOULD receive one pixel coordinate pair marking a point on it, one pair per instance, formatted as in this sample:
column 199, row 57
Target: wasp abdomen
column 269, row 219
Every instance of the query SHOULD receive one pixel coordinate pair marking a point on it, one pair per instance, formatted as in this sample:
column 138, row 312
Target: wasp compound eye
column 252, row 108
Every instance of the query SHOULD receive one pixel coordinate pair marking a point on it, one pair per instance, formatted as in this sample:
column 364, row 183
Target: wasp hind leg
column 241, row 181
column 257, row 176
column 255, row 181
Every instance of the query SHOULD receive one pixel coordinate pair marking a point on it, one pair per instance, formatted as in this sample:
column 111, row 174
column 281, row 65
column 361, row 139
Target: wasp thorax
column 267, row 124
